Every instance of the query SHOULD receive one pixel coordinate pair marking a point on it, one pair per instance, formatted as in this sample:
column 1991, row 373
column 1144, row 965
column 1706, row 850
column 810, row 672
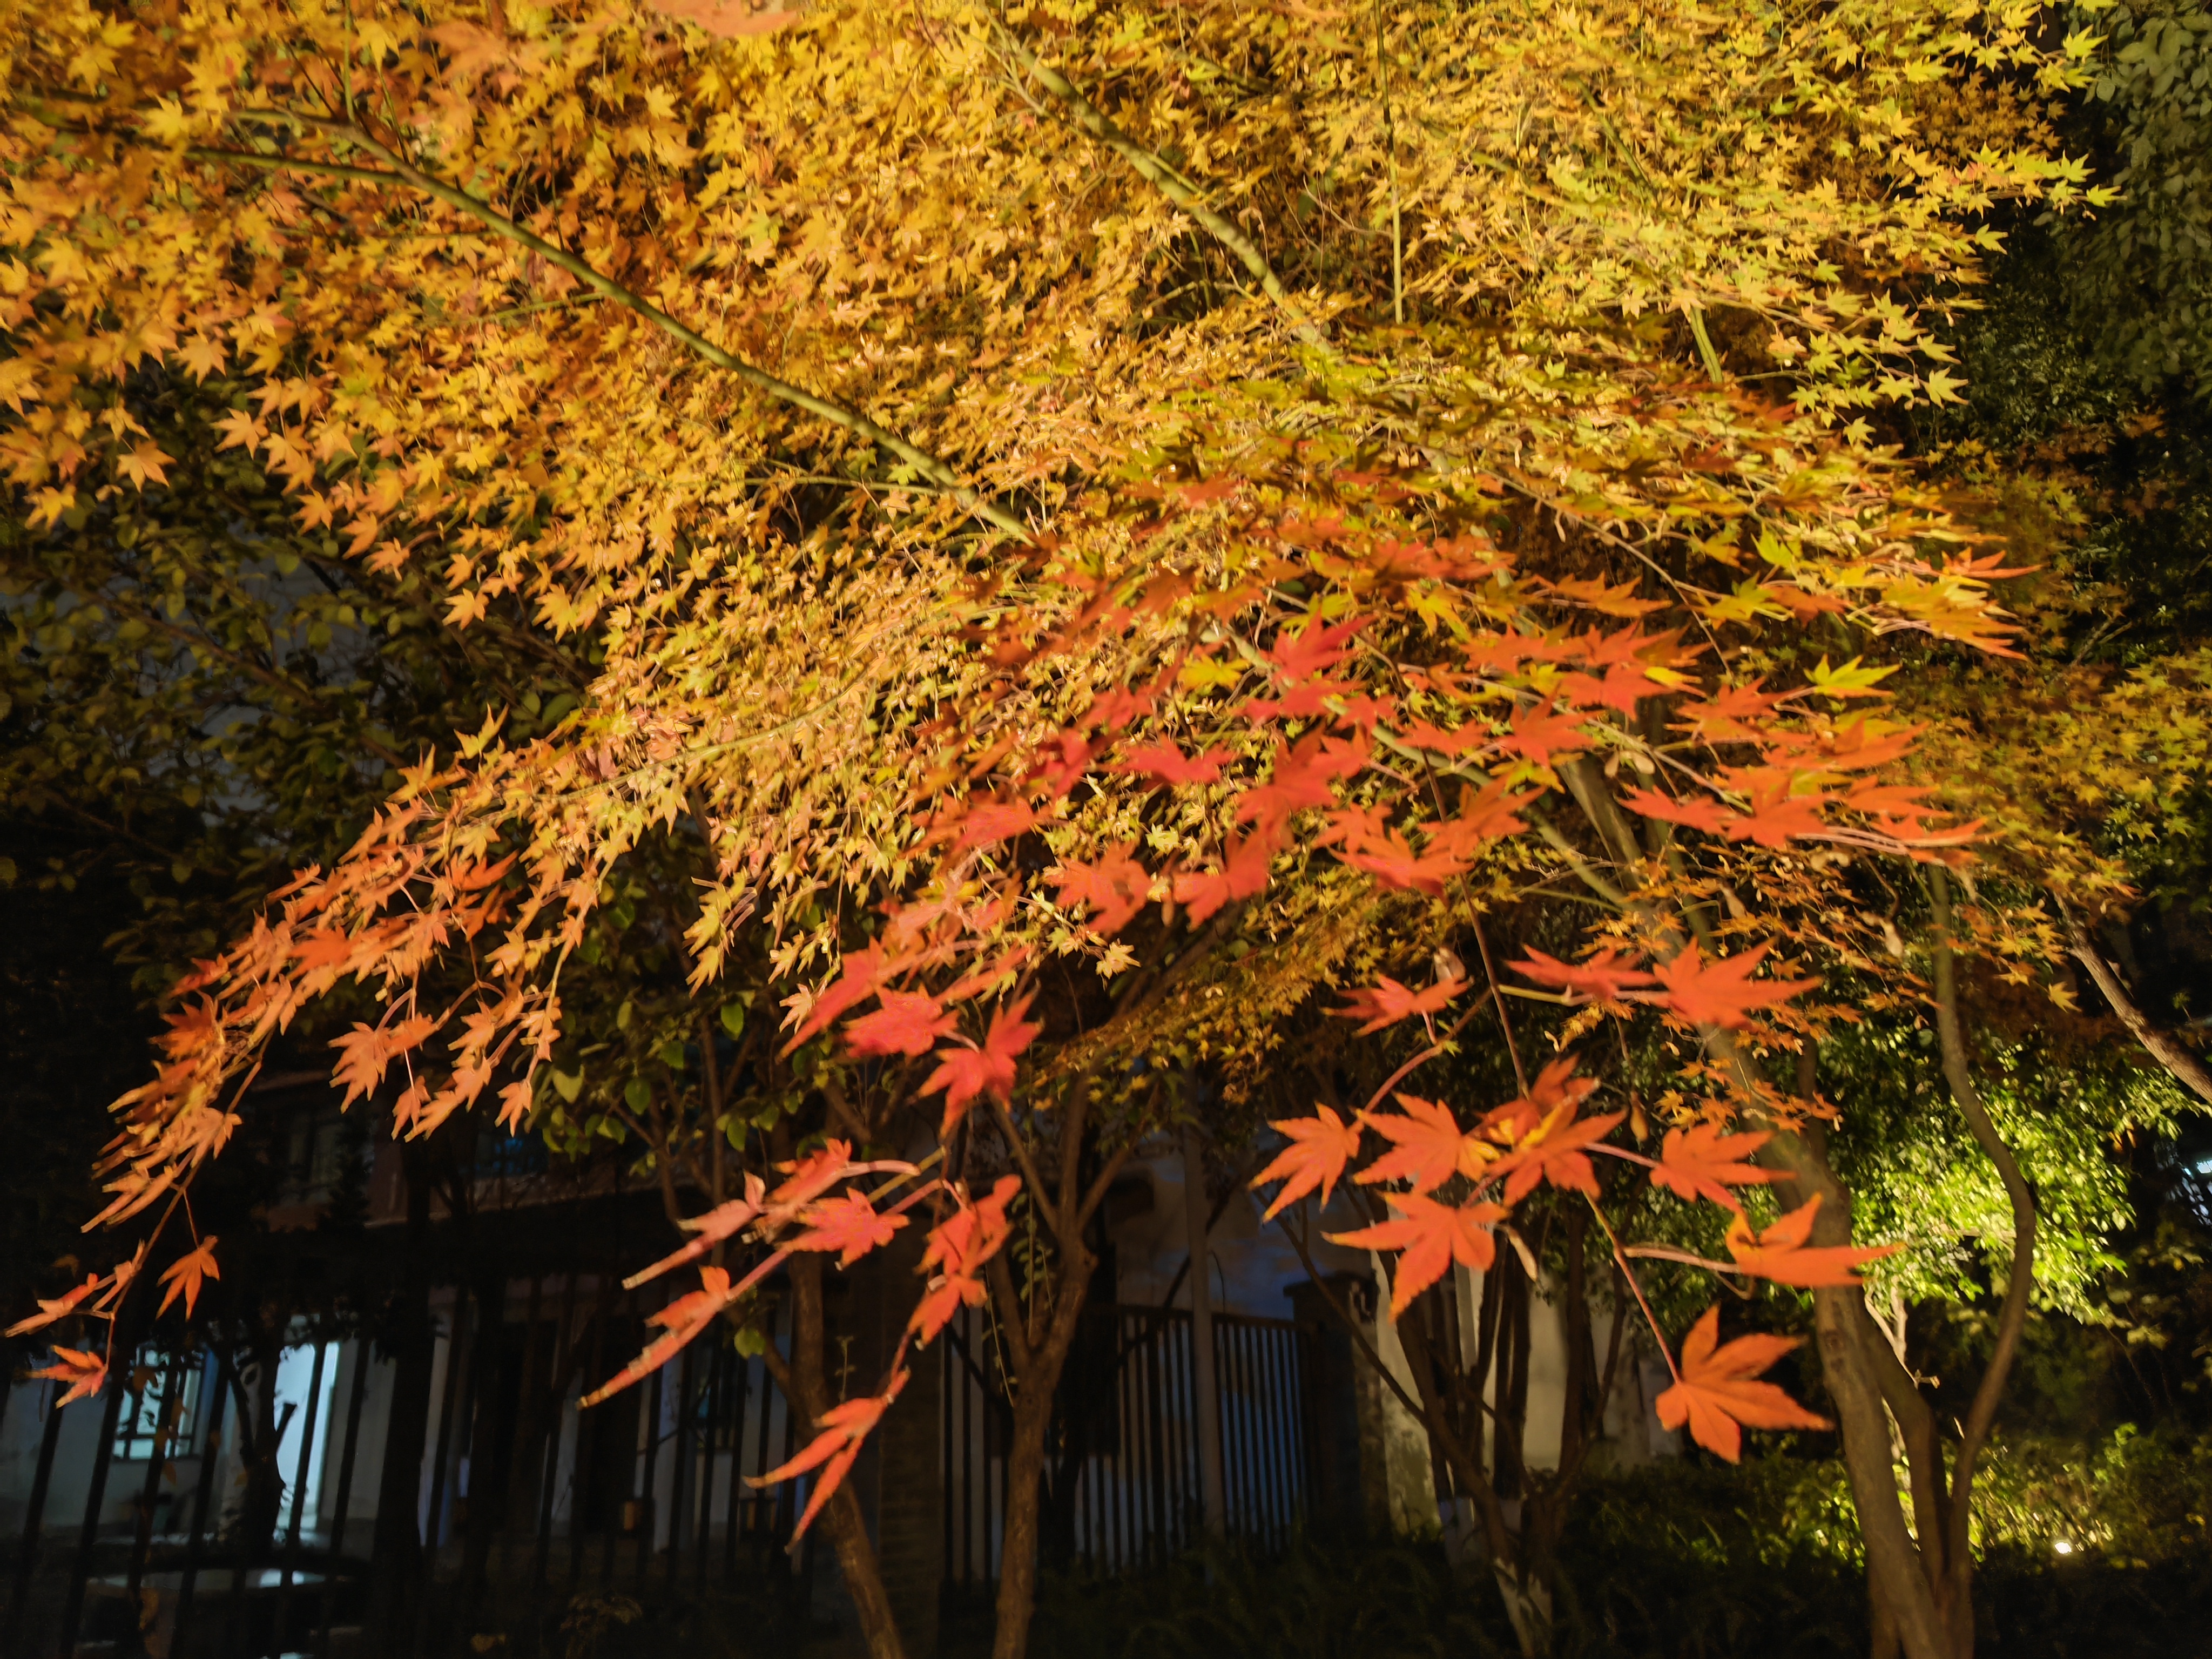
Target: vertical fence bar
column 733, row 1511
column 211, row 1451
column 677, row 1508
column 645, row 1522
column 587, row 1442
column 434, row 1530
column 26, row 1558
column 300, row 1490
column 344, row 1501
column 88, row 1535
column 157, row 1459
column 564, row 1357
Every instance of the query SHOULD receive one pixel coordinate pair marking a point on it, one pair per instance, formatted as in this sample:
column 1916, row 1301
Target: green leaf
column 733, row 1019
column 568, row 1085
column 638, row 1093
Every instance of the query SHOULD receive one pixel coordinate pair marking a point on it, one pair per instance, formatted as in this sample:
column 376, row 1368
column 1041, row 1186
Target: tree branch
column 2184, row 1067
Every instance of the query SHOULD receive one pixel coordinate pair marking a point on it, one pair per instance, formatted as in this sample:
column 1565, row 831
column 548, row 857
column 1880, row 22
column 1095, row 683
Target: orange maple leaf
column 1716, row 1395
column 185, row 1274
column 1388, row 1002
column 86, row 1373
column 967, row 1071
column 832, row 1450
column 1704, row 1162
column 1780, row 1253
column 1320, row 1147
column 1697, row 814
column 847, row 1224
column 1724, row 993
column 721, row 1222
column 1603, row 976
column 59, row 1308
column 1391, row 860
column 728, row 19
column 1432, row 1236
column 908, row 1023
column 1432, row 1148
column 684, row 1318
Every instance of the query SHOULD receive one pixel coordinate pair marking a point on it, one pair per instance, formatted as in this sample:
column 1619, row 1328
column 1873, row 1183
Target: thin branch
column 2013, row 1319
column 1169, row 182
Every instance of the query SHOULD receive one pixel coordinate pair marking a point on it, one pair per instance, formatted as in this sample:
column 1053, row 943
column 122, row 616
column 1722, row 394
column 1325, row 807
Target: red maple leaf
column 1716, row 1395
column 1704, row 1162
column 1457, row 741
column 1115, row 887
column 1778, row 817
column 832, row 1450
column 967, row 1071
column 1432, row 1236
column 86, row 1373
column 848, row 1224
column 984, row 822
column 1302, row 778
column 1724, row 993
column 1170, row 765
column 1313, row 648
column 1603, row 976
column 183, row 1276
column 1320, row 1147
column 1243, row 875
column 1538, row 734
column 1388, row 1002
column 808, row 1178
column 1552, row 1151
column 1390, row 861
column 1780, row 1253
column 908, row 1023
column 865, row 972
column 1721, row 720
column 1480, row 818
column 962, row 1244
column 1707, row 815
column 1430, row 1146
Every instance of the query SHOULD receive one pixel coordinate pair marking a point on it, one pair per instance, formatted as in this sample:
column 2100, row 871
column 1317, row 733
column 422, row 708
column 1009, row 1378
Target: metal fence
column 647, row 1494
column 1122, row 1479
column 146, row 1547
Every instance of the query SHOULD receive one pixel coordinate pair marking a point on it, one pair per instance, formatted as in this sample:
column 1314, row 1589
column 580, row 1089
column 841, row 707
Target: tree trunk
column 1038, row 1381
column 804, row 1379
column 1904, row 1597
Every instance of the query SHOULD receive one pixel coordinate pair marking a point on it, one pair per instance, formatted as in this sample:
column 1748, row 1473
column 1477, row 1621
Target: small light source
column 2064, row 1547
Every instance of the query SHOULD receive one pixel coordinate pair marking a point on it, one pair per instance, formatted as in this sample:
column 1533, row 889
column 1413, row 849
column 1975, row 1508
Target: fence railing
column 1123, row 1479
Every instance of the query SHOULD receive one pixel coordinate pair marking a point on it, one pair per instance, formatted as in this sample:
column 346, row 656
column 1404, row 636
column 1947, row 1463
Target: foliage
column 1344, row 477
column 2142, row 271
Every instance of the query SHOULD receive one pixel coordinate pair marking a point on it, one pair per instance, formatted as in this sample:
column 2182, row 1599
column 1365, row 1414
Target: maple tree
column 1298, row 473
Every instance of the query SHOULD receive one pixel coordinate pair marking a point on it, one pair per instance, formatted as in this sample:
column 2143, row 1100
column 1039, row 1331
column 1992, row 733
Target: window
column 147, row 1416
